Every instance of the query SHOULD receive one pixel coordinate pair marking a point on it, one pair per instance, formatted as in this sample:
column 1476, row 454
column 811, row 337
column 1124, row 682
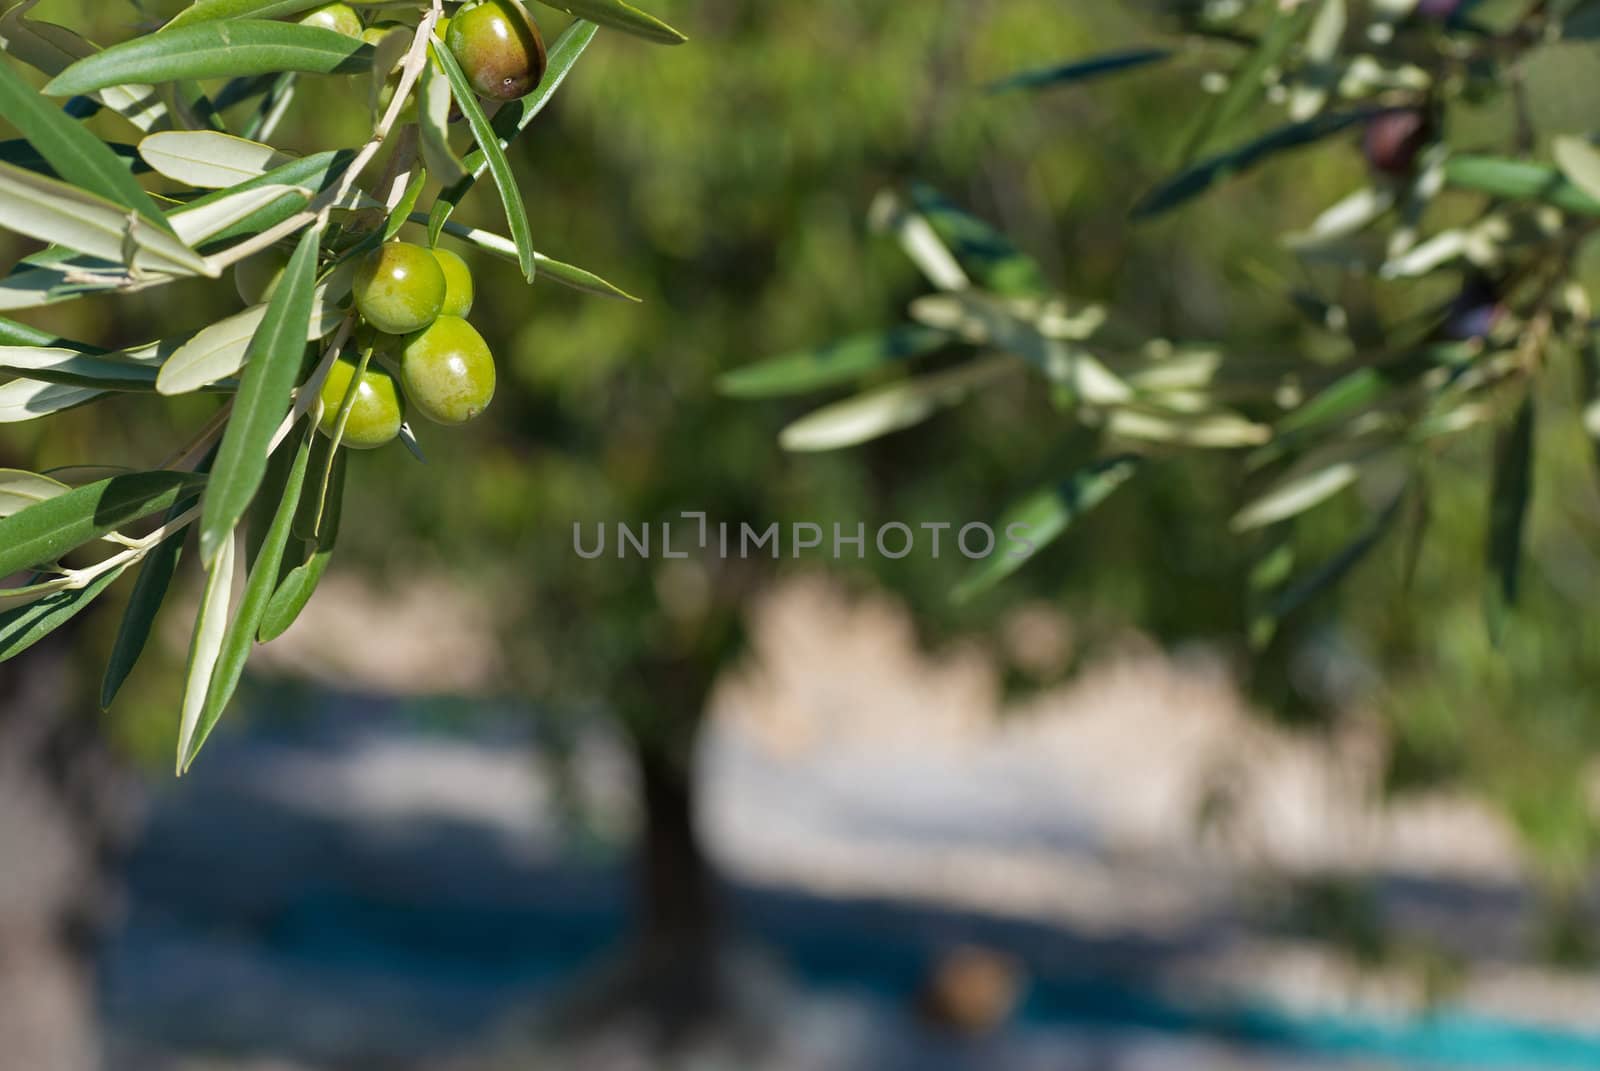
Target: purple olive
column 1393, row 140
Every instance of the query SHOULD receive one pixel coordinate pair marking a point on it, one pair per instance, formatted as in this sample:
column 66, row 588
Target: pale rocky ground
column 859, row 790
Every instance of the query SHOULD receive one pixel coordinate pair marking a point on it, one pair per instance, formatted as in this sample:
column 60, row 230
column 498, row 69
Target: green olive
column 257, row 277
column 379, row 30
column 375, row 415
column 340, row 18
column 399, row 287
column 499, row 48
column 457, row 284
column 448, row 371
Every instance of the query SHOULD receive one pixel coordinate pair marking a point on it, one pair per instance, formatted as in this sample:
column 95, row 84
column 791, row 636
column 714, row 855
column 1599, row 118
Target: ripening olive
column 457, row 284
column 339, row 17
column 257, row 277
column 499, row 48
column 447, row 371
column 1475, row 312
column 399, row 287
column 375, row 415
column 1393, row 140
column 1441, row 10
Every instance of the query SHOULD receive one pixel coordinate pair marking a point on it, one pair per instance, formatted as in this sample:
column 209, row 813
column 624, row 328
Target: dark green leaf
column 1330, row 572
column 149, row 592
column 18, row 152
column 1043, row 517
column 620, row 16
column 214, row 10
column 1508, row 511
column 258, row 589
column 1289, row 24
column 494, row 155
column 25, row 626
column 985, row 253
column 43, row 533
column 74, row 154
column 1202, row 176
column 297, row 586
column 215, row 50
column 838, row 362
column 1081, row 70
column 315, row 173
column 271, row 366
column 513, row 119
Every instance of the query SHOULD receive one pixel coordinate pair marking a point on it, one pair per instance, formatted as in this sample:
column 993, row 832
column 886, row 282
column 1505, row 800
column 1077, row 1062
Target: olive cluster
column 418, row 350
column 413, row 303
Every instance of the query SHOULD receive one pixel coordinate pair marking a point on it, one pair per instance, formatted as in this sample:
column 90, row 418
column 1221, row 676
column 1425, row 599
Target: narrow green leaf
column 1289, row 25
column 205, row 645
column 296, row 588
column 1332, row 571
column 13, row 333
column 1508, row 511
column 1202, row 176
column 513, row 119
column 569, row 275
column 55, row 211
column 986, row 254
column 149, row 592
column 1579, row 160
column 1039, row 520
column 24, row 626
column 1518, row 180
column 408, row 202
column 232, row 49
column 833, row 364
column 51, row 365
column 215, row 10
column 314, row 173
column 44, row 532
column 620, row 16
column 1081, row 70
column 258, row 589
column 889, row 409
column 499, row 167
column 271, row 365
column 74, row 154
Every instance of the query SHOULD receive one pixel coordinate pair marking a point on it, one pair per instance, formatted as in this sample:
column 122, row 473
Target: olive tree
column 1438, row 349
column 346, row 330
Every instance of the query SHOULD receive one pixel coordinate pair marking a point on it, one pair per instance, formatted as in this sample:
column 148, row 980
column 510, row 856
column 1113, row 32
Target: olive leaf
column 55, row 211
column 513, row 119
column 206, row 159
column 620, row 16
column 557, row 271
column 45, row 531
column 213, row 10
column 1509, row 493
column 494, row 156
column 234, row 649
column 205, row 646
column 433, row 123
column 29, row 399
column 988, row 256
column 271, row 364
column 1041, row 518
column 24, row 626
column 1081, row 70
column 833, row 364
column 215, row 50
column 892, row 408
column 20, row 489
column 321, row 506
column 75, row 155
column 1518, row 180
column 112, row 371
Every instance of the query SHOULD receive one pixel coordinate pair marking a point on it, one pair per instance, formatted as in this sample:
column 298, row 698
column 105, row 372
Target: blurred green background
column 726, row 183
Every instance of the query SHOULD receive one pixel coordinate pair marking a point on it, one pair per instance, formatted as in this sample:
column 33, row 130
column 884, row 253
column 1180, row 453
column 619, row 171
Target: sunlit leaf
column 206, row 159
column 54, row 211
column 514, row 118
column 45, row 531
column 213, row 10
column 29, row 399
column 24, row 626
column 272, row 364
column 620, row 16
column 215, row 50
column 433, row 124
column 889, row 409
column 205, row 644
column 987, row 254
column 494, row 156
